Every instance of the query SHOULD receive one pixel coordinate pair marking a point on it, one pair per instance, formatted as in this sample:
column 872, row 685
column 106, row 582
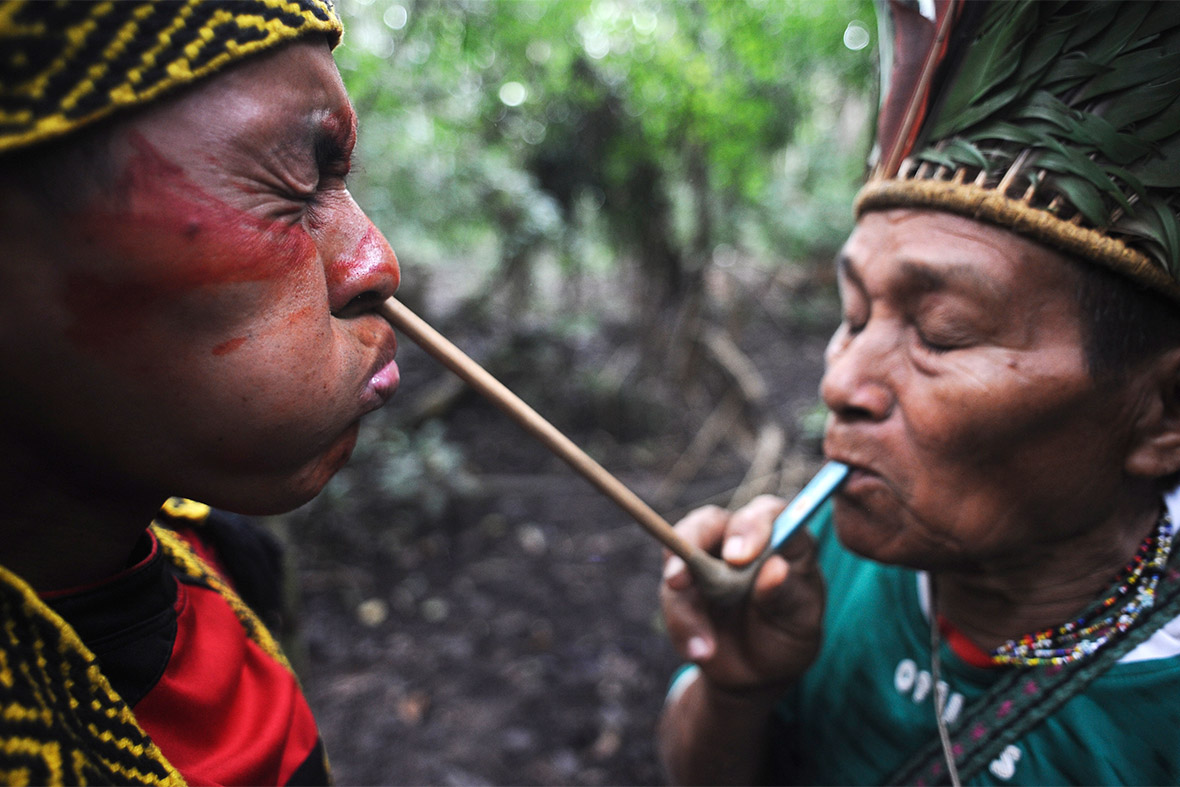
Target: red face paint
column 225, row 348
column 183, row 340
column 161, row 236
column 366, row 259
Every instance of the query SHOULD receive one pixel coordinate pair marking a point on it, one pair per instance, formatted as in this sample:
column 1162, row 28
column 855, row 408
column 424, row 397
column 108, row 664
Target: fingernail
column 734, row 548
column 698, row 648
column 674, row 567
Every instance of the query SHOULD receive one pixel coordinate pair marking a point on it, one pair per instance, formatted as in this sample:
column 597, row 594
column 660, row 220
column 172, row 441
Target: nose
column 857, row 381
column 359, row 265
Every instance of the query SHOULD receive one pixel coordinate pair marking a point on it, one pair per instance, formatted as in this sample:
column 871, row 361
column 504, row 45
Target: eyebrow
column 844, row 268
column 925, row 278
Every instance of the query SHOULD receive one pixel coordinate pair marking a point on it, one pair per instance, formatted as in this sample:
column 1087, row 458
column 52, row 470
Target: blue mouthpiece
column 811, row 497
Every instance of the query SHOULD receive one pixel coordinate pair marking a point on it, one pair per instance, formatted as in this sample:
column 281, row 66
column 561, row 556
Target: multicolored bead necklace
column 1103, row 620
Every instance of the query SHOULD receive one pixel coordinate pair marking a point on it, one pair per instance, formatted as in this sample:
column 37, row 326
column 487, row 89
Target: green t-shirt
column 865, row 707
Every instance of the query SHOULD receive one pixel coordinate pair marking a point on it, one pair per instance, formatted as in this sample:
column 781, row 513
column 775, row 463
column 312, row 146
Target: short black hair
column 1124, row 323
column 63, row 173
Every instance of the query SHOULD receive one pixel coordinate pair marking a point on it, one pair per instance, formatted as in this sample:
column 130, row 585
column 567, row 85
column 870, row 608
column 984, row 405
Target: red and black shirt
column 222, row 707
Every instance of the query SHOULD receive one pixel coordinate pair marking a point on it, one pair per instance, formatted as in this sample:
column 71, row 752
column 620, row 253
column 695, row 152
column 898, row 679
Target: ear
column 1155, row 448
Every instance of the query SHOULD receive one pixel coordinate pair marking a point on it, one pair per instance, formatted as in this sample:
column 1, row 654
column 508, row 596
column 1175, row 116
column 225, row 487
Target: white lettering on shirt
column 1004, row 766
column 917, row 684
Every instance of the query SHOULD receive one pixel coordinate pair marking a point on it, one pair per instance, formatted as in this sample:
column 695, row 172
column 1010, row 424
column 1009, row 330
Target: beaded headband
column 65, row 64
column 1057, row 120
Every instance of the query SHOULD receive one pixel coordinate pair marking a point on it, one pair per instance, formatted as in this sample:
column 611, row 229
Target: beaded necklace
column 1132, row 595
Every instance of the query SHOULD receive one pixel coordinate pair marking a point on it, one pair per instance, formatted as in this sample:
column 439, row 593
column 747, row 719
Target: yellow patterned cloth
column 67, row 63
column 60, row 720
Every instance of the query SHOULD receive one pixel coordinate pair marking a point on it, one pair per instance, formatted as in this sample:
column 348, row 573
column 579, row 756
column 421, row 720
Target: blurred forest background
column 626, row 210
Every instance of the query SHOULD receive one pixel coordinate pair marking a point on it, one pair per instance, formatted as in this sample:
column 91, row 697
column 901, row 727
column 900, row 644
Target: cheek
column 162, row 239
column 971, row 411
column 286, row 368
column 949, row 427
column 980, row 446
column 300, row 346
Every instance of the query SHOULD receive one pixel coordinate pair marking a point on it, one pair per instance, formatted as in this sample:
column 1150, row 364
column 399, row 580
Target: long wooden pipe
column 717, row 580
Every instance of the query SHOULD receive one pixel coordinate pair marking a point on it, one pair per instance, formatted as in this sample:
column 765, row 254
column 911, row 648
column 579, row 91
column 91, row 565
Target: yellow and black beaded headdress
column 1057, row 120
column 67, row 63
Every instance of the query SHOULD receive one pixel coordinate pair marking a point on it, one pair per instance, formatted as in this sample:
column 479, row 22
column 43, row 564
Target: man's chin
column 867, row 538
column 278, row 494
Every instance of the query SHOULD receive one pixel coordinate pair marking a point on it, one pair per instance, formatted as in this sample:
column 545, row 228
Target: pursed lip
column 862, row 477
column 861, row 481
column 385, row 376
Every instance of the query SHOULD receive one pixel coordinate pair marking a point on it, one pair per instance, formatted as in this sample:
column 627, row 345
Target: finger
column 676, row 573
column 749, row 529
column 800, row 553
column 795, row 564
column 788, row 593
column 704, row 527
column 688, row 625
column 800, row 546
column 770, row 579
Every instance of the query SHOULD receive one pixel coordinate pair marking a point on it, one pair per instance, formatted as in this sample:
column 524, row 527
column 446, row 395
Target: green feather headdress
column 1057, row 120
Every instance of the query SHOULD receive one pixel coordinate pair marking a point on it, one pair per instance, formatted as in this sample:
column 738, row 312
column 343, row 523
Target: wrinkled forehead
column 935, row 248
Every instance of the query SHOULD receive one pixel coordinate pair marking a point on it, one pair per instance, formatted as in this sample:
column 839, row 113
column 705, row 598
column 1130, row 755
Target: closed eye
column 934, row 346
column 335, row 140
column 332, row 159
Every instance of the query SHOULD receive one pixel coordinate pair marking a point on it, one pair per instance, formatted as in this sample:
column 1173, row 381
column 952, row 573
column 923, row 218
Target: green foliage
column 399, row 479
column 1082, row 103
column 497, row 134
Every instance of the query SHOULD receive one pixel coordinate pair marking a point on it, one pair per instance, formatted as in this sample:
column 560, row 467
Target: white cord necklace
column 940, row 692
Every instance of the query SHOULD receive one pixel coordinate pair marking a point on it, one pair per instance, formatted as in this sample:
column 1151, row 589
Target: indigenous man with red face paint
column 992, row 596
column 189, row 298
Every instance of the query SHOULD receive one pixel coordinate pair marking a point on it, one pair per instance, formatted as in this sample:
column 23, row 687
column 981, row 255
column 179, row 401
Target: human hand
column 769, row 640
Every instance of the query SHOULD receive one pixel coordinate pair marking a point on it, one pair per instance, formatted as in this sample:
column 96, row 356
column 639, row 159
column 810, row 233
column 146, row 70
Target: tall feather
column 914, row 43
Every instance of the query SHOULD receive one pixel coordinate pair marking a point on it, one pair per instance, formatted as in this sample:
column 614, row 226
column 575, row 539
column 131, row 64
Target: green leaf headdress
column 1058, row 120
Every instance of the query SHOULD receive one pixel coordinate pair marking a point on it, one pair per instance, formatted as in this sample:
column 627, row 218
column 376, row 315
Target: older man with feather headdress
column 992, row 596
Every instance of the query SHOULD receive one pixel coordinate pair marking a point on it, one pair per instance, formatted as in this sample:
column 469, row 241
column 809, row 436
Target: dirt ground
column 471, row 612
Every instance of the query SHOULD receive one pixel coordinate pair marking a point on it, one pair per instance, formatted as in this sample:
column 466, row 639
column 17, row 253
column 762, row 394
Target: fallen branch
column 737, row 365
column 761, row 477
column 716, row 427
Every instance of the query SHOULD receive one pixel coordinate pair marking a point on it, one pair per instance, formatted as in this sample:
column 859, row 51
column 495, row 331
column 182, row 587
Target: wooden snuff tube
column 716, row 579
